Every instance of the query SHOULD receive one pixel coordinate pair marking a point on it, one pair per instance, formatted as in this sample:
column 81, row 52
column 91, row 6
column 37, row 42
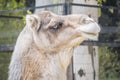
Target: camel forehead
column 48, row 15
column 45, row 14
column 49, row 19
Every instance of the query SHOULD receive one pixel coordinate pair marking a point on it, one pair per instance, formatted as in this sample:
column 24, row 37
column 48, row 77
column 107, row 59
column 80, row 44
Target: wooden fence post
column 85, row 59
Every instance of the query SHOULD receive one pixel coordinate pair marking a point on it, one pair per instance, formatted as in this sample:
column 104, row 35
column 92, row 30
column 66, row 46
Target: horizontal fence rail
column 56, row 5
column 6, row 48
column 10, row 48
column 95, row 6
column 110, row 30
column 14, row 17
column 29, row 8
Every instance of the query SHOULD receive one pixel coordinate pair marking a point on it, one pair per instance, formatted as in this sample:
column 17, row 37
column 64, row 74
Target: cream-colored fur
column 45, row 46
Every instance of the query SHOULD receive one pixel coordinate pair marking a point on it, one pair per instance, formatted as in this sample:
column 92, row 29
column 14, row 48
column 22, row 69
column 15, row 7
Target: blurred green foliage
column 10, row 27
column 9, row 30
column 109, row 63
column 11, row 4
column 4, row 63
column 109, row 57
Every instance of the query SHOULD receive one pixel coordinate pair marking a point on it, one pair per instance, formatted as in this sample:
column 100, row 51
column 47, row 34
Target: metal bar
column 110, row 29
column 95, row 6
column 66, row 8
column 55, row 5
column 6, row 48
column 14, row 17
column 30, row 8
column 99, row 43
column 9, row 48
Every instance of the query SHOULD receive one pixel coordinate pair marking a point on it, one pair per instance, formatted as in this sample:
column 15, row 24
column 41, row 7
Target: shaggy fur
column 45, row 46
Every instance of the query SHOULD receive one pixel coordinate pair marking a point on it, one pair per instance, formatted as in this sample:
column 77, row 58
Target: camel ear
column 33, row 22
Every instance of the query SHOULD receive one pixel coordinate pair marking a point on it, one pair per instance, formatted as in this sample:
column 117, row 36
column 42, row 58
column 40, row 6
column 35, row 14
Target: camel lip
column 91, row 36
column 89, row 33
column 90, row 28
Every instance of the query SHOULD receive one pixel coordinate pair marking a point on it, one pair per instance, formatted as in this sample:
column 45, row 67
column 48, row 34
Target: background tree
column 10, row 28
column 109, row 56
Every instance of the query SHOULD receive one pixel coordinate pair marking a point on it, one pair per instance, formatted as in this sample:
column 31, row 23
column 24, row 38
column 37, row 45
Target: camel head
column 53, row 32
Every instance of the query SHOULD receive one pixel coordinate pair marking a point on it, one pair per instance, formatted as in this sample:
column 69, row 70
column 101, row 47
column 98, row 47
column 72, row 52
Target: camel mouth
column 89, row 31
column 92, row 36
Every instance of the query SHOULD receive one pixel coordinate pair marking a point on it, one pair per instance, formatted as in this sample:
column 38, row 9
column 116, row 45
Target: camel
column 45, row 46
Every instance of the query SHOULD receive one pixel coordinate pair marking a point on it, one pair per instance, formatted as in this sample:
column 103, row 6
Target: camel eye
column 56, row 26
column 53, row 27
